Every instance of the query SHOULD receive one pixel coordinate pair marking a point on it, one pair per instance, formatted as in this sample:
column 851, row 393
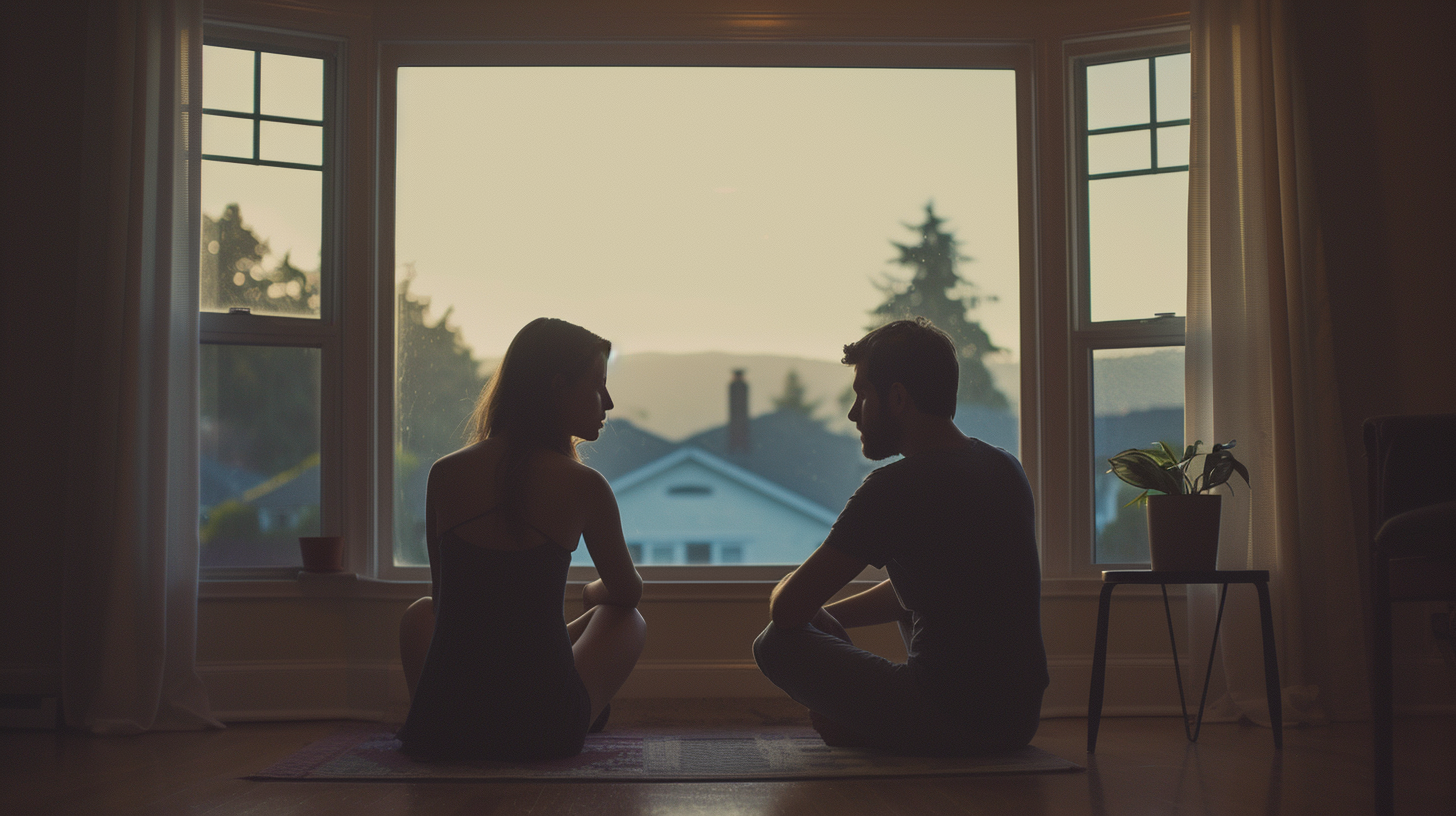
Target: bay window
column 725, row 213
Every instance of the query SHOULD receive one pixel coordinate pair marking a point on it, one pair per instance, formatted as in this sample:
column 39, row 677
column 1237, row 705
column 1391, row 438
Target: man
column 952, row 522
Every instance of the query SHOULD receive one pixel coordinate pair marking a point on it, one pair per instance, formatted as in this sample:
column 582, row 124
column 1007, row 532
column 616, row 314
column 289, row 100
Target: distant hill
column 1139, row 383
column 678, row 395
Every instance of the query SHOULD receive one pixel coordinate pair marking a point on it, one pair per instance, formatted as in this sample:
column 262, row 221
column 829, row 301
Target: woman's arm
column 619, row 584
column 432, row 536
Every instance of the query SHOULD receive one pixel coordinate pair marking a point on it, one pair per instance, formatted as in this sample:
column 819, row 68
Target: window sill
column 352, row 586
column 311, row 585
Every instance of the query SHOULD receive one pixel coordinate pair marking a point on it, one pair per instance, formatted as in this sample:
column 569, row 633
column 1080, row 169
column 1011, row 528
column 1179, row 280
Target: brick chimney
column 738, row 413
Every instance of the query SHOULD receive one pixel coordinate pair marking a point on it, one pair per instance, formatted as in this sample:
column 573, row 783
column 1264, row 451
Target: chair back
column 1412, row 463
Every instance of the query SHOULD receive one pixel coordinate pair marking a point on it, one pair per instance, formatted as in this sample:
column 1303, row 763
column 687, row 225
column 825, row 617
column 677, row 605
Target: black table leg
column 1192, row 726
column 1099, row 667
column 1271, row 666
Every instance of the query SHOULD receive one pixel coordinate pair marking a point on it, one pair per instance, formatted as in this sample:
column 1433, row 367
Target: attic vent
column 689, row 490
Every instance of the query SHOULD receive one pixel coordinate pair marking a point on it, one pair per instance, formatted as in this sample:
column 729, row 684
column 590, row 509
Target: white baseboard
column 299, row 690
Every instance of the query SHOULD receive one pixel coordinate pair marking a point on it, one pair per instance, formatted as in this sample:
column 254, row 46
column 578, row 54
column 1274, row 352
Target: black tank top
column 499, row 681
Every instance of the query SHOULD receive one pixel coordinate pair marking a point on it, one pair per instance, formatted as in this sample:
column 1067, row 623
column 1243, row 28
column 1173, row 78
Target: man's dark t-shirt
column 955, row 530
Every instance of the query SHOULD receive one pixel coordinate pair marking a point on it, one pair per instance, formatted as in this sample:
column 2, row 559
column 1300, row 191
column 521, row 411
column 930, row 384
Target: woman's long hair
column 520, row 403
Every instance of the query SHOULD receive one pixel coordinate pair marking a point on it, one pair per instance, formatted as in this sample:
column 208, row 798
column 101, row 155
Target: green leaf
column 1219, row 466
column 1169, row 456
column 1142, row 469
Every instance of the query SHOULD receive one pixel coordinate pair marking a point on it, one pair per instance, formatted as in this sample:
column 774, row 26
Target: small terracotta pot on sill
column 322, row 553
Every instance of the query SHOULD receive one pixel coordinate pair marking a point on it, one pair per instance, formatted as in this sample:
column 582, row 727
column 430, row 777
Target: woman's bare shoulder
column 469, row 457
column 571, row 471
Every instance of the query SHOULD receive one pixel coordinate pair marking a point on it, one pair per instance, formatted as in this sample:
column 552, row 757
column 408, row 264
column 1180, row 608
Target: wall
column 1380, row 105
column 1380, row 93
column 42, row 188
column 325, row 647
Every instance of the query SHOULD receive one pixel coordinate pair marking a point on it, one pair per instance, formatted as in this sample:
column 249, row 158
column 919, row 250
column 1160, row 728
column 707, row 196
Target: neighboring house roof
column 795, row 451
column 990, row 425
column 218, row 482
column 753, row 482
column 622, row 448
column 1137, row 429
column 786, row 448
column 292, row 488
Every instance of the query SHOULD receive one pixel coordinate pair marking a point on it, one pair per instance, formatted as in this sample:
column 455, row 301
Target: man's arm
column 878, row 604
column 800, row 596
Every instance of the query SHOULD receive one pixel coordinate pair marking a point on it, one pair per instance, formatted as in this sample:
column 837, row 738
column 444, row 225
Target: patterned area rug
column 372, row 754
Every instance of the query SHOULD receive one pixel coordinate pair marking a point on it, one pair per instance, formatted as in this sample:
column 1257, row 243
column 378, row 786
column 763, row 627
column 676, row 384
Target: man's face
column 879, row 433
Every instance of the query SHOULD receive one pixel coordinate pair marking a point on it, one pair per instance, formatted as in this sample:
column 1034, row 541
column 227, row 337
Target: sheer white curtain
column 1260, row 359
column 130, row 583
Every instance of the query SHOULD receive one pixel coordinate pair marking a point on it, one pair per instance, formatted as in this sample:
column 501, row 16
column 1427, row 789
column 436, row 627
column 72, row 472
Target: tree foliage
column 260, row 404
column 793, row 397
column 934, row 290
column 233, row 273
column 438, row 381
column 439, row 376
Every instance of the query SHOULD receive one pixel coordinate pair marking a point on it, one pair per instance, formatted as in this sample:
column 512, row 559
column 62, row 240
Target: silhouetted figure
column 953, row 524
column 494, row 669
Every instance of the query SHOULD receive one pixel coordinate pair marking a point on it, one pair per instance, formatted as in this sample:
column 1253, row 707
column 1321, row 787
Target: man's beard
column 879, row 439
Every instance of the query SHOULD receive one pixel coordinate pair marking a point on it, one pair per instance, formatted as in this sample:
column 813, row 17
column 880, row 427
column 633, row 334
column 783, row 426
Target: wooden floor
column 1142, row 766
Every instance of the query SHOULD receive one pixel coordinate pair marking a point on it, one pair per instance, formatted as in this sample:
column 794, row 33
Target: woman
column 494, row 670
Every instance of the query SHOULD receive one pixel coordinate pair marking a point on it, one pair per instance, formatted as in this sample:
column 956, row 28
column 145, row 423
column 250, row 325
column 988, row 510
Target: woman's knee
column 620, row 624
column 621, row 616
column 418, row 619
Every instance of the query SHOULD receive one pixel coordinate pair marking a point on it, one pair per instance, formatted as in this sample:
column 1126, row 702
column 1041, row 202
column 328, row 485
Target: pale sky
column 743, row 210
column 727, row 209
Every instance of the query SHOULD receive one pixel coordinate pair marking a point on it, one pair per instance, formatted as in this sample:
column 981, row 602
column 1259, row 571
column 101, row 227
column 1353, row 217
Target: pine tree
column 233, row 274
column 792, row 399
column 930, row 293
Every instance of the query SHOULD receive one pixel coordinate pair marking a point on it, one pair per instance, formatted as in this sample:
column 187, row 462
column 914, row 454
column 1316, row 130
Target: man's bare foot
column 834, row 734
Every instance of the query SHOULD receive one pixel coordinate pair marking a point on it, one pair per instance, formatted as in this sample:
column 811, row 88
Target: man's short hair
column 915, row 354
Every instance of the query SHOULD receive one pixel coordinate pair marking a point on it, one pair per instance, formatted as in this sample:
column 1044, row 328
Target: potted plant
column 1182, row 513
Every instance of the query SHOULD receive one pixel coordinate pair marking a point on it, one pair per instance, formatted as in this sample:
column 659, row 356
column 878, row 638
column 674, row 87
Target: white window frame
column 355, row 330
column 1087, row 336
column 1018, row 56
column 324, row 332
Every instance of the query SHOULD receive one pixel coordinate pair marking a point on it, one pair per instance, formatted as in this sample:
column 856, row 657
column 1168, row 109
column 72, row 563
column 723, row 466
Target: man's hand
column 829, row 625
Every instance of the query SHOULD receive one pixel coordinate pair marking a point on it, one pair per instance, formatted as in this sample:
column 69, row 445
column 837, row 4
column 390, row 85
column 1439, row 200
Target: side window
column 268, row 310
column 1132, row 136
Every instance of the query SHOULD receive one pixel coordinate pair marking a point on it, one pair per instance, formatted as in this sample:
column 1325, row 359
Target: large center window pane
column 729, row 230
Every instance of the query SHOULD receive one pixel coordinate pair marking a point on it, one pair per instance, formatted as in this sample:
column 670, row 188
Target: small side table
column 1111, row 579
